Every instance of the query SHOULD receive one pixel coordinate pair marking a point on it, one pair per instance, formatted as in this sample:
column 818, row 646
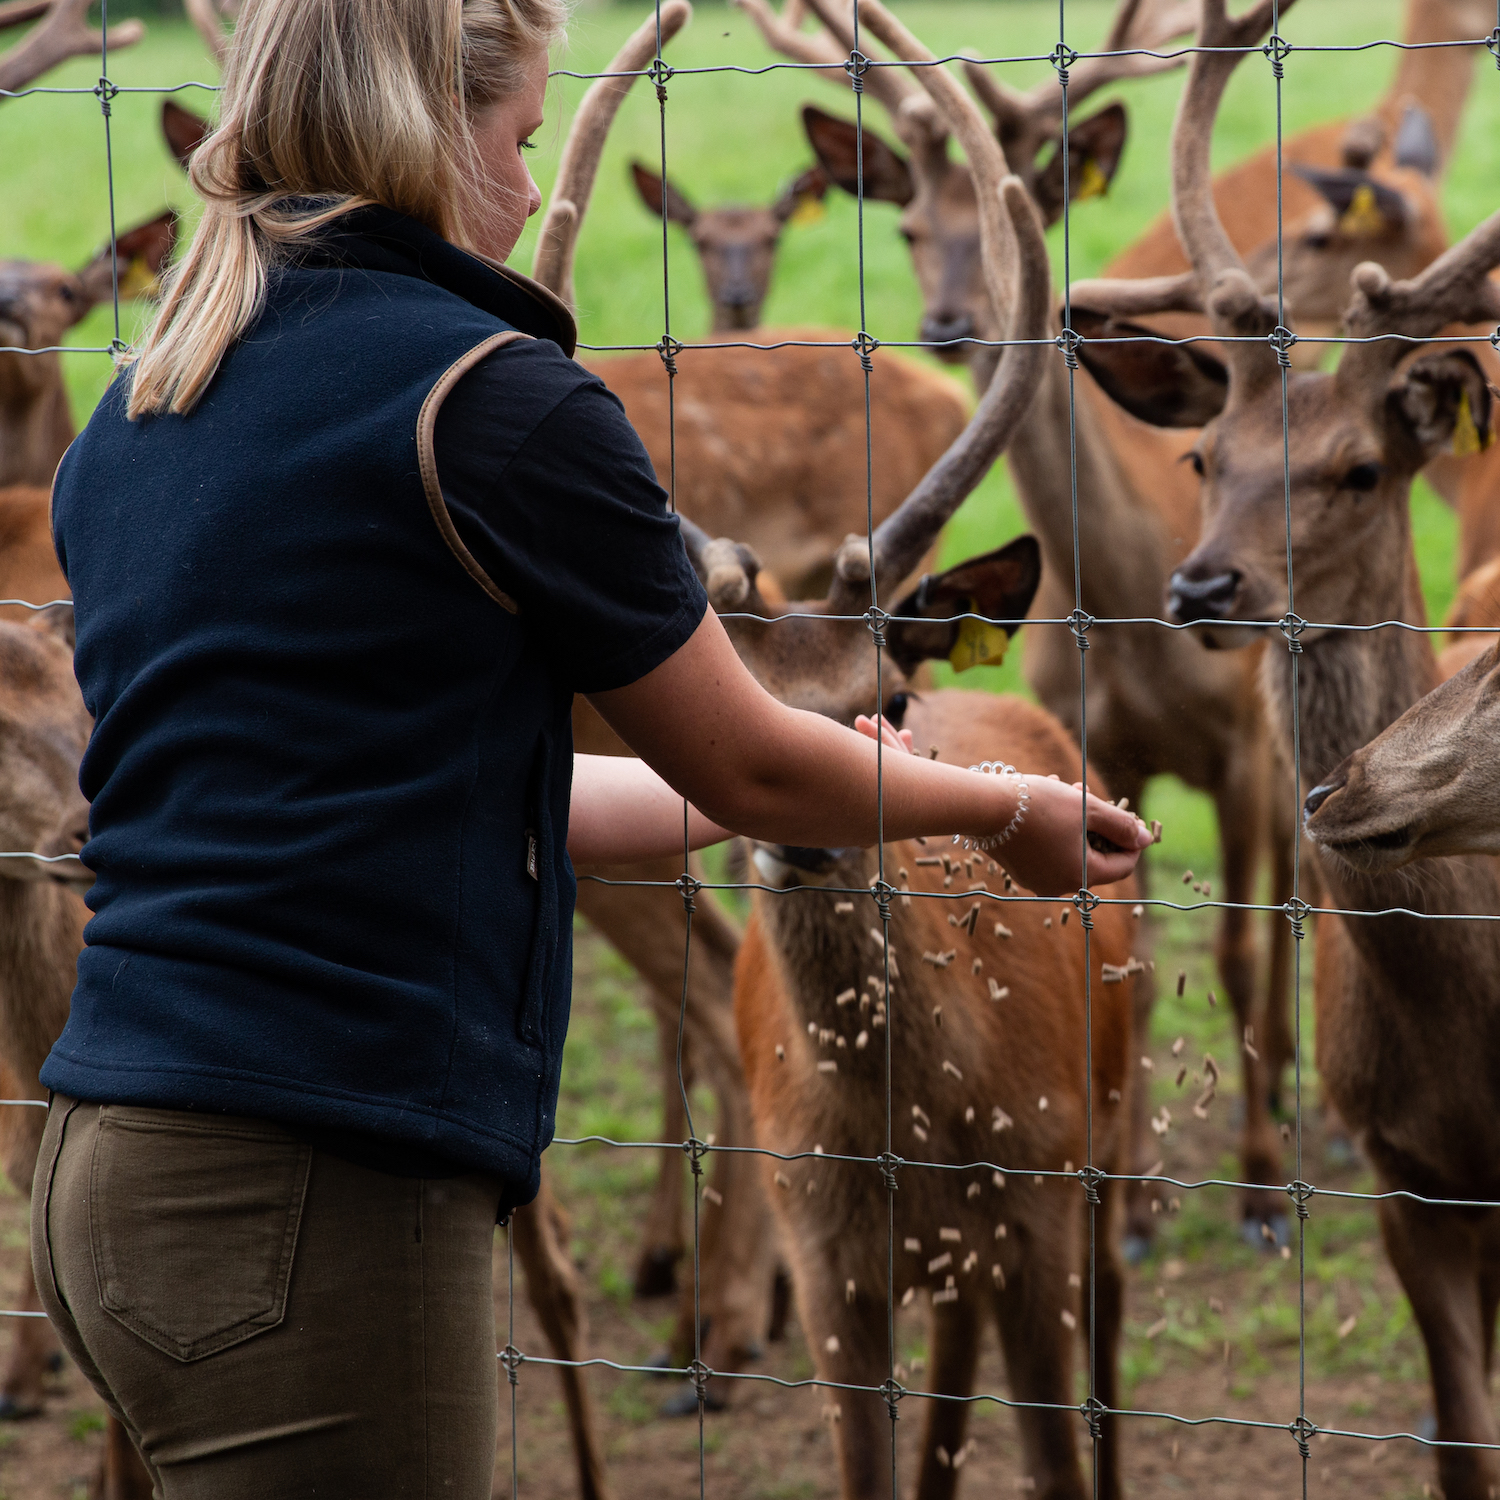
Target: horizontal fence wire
column 886, row 1167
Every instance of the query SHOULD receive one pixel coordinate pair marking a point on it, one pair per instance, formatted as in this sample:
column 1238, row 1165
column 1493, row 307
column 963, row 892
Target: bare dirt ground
column 1212, row 1331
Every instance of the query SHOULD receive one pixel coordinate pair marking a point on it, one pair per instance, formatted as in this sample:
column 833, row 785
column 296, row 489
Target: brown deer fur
column 1027, row 1055
column 1408, row 1009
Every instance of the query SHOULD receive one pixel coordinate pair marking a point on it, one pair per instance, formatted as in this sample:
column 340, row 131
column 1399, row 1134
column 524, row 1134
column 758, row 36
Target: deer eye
column 67, row 293
column 907, row 235
column 895, row 709
column 1362, row 477
column 1194, row 458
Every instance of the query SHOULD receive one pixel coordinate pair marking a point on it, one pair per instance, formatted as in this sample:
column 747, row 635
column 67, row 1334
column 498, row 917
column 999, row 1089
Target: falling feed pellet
column 952, row 1070
column 843, row 907
column 937, row 1264
column 1047, row 922
column 973, row 1190
column 1181, row 982
column 845, row 997
column 908, row 1296
column 862, row 1041
column 1001, row 930
column 714, row 1196
column 918, row 1113
column 1068, row 1320
column 849, row 1290
column 782, row 1180
column 1074, row 1279
column 915, row 1246
column 828, row 1065
column 780, row 1053
column 951, row 1236
column 831, row 1343
column 948, row 1294
column 998, row 1179
column 998, row 991
column 969, row 1115
column 998, row 1275
column 937, row 1016
column 941, row 1454
column 1041, row 1103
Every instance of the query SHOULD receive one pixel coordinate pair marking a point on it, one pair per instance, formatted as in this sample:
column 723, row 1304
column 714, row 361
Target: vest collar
column 375, row 238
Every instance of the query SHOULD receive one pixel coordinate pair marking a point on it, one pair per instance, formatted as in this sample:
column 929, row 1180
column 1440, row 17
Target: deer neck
column 1124, row 543
column 41, row 932
column 1438, row 78
column 35, row 423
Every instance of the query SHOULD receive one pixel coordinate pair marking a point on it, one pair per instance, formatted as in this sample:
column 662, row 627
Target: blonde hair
column 344, row 103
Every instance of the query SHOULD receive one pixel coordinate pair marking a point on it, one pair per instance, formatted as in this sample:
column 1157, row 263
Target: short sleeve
column 554, row 495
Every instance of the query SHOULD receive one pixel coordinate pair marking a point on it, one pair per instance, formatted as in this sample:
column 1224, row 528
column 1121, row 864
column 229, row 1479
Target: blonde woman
column 345, row 539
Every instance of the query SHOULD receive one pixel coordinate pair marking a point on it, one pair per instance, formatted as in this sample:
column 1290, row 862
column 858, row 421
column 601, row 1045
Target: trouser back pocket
column 193, row 1223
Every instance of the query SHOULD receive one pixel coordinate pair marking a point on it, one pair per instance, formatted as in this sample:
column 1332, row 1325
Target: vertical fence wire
column 885, row 1166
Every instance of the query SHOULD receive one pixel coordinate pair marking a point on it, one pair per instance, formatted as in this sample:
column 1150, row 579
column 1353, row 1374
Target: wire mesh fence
column 882, row 1175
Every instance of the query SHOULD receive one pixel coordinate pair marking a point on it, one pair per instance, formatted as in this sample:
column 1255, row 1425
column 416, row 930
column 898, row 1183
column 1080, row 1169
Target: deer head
column 1356, row 437
column 1428, row 786
column 736, row 245
column 1381, row 204
column 62, row 33
column 934, row 192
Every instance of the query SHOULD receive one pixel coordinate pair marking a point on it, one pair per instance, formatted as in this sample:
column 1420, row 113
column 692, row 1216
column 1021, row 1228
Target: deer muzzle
column 1190, row 599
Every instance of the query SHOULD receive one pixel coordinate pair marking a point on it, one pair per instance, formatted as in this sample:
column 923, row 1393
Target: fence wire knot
column 893, row 1391
column 1303, row 1431
column 659, row 73
column 700, row 1374
column 1079, row 623
column 1299, row 1192
column 1091, row 1177
column 104, row 92
column 512, row 1359
column 669, row 348
column 1278, row 49
column 889, row 1163
column 864, row 345
column 855, row 66
column 1296, row 911
column 1068, row 341
column 118, row 349
column 882, row 891
column 1291, row 626
column 689, row 886
column 1281, row 340
column 877, row 619
column 1093, row 1413
column 1492, row 41
column 1063, row 57
column 1495, row 336
column 1085, row 900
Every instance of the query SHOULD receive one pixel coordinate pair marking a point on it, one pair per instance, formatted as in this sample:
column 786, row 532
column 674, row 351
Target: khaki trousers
column 270, row 1322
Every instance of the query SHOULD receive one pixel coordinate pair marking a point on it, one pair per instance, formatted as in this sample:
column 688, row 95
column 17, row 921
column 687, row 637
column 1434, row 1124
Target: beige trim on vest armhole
column 427, row 463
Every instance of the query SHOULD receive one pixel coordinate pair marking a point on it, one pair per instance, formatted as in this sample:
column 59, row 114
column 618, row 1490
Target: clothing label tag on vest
column 531, row 855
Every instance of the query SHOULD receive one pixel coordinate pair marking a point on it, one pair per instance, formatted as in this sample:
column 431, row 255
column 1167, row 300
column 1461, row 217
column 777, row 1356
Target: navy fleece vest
column 287, row 661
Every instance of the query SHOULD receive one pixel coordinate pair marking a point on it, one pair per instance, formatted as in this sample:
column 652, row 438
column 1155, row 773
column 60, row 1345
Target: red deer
column 1135, row 522
column 736, row 244
column 63, row 33
column 1407, row 1045
column 986, row 1028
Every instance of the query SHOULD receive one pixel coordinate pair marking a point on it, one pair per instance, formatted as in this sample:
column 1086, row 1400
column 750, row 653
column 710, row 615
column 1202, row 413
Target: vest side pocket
column 538, row 864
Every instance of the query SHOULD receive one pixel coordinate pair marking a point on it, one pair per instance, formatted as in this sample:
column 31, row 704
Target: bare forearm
column 622, row 810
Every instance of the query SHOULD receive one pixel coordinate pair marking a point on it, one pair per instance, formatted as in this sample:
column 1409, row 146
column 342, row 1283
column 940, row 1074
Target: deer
column 1407, row 1039
column 1136, row 521
column 984, row 1018
column 736, row 244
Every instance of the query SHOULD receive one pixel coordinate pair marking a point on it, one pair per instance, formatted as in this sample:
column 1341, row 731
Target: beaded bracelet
column 1023, row 803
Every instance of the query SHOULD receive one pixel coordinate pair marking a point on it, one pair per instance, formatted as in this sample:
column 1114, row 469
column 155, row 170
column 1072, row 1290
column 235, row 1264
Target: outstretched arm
column 750, row 763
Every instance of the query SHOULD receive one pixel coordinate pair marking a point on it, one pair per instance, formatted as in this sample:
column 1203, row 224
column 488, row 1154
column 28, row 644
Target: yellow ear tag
column 1092, row 181
column 808, row 211
column 1466, row 439
column 1362, row 220
column 136, row 280
column 979, row 644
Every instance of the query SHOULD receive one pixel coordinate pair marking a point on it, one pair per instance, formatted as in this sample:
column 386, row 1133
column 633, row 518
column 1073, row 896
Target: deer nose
column 1190, row 599
column 1323, row 791
column 946, row 328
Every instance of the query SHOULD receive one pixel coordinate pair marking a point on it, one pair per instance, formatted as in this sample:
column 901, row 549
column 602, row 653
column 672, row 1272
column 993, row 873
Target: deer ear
column 1445, row 404
column 1417, row 143
column 1167, row 385
column 56, row 620
column 887, row 178
column 183, row 129
column 656, row 194
column 143, row 252
column 1094, row 150
column 999, row 586
column 804, row 196
column 1362, row 142
column 1367, row 208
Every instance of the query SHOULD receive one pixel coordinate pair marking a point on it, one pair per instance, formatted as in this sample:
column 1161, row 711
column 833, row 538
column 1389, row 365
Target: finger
column 1106, row 869
column 907, row 741
column 1115, row 824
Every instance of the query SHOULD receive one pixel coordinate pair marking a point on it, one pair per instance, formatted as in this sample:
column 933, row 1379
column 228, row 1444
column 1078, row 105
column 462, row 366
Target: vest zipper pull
column 531, row 869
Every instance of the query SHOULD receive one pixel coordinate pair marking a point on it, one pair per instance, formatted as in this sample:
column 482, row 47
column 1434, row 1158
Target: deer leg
column 955, row 1357
column 539, row 1233
column 1039, row 1349
column 1240, row 821
column 1489, row 1287
column 1436, row 1253
column 662, row 1243
column 1275, row 1036
column 35, row 1348
column 1109, row 1314
column 122, row 1474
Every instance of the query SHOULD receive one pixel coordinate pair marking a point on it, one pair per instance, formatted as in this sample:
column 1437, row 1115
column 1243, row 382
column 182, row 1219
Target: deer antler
column 208, row 16
column 1455, row 288
column 1012, row 248
column 1218, row 283
column 62, row 34
column 916, row 122
column 553, row 262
